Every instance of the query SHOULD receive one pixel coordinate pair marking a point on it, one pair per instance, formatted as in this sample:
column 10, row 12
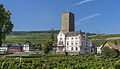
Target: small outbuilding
column 110, row 45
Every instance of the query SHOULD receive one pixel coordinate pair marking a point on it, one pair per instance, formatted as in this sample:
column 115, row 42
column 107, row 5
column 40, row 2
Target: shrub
column 107, row 52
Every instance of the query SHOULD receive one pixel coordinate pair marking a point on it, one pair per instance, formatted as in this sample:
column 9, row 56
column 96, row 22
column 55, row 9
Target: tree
column 47, row 46
column 115, row 42
column 107, row 52
column 39, row 46
column 52, row 34
column 6, row 25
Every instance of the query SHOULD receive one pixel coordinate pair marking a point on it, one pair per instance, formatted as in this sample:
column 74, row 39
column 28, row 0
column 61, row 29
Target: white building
column 73, row 42
column 69, row 40
column 4, row 47
column 27, row 47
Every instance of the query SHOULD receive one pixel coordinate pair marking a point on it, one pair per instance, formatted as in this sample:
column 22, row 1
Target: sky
column 94, row 16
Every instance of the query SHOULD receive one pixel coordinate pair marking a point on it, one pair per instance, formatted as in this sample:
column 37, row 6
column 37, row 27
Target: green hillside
column 42, row 36
column 100, row 39
column 32, row 36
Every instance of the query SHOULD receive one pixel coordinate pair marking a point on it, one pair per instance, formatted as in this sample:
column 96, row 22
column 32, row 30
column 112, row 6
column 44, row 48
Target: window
column 76, row 48
column 60, row 42
column 76, row 38
column 61, row 34
column 71, row 48
column 72, row 38
column 60, row 38
column 71, row 43
column 67, row 38
column 67, row 42
column 76, row 43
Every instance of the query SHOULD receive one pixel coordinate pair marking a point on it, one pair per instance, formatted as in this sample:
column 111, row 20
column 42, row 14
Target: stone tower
column 67, row 24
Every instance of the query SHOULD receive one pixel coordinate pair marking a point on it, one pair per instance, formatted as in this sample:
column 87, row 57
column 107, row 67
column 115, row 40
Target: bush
column 107, row 52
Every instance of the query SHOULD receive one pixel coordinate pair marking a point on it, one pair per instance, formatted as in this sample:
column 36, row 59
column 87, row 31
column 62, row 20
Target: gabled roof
column 112, row 45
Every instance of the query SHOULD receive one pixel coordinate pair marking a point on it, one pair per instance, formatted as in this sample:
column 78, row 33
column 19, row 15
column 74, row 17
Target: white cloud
column 82, row 2
column 88, row 17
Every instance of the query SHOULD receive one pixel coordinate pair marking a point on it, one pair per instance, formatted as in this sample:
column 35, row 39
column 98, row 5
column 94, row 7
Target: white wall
column 61, row 36
column 69, row 45
column 3, row 48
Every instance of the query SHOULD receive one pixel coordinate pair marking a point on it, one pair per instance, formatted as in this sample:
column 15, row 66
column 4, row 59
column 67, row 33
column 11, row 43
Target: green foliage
column 61, row 62
column 47, row 46
column 39, row 46
column 5, row 23
column 6, row 52
column 107, row 52
column 52, row 35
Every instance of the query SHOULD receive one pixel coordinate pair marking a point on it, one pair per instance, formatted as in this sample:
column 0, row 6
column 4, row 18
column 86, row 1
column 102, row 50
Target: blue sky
column 37, row 15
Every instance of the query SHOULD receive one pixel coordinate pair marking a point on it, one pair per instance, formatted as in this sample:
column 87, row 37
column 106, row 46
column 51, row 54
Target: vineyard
column 61, row 62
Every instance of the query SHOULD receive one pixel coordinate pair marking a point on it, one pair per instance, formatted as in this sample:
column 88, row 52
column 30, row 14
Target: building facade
column 69, row 40
column 109, row 45
column 28, row 46
column 73, row 42
column 16, row 48
column 5, row 47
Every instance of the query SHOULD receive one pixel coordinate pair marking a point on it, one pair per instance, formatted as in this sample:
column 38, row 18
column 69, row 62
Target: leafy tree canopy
column 6, row 25
column 52, row 34
column 47, row 46
column 39, row 46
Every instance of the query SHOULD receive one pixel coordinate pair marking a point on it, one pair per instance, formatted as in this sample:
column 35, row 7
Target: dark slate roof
column 30, row 44
column 73, row 33
column 15, row 46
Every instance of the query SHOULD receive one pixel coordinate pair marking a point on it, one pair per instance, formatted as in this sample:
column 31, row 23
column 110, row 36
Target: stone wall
column 67, row 23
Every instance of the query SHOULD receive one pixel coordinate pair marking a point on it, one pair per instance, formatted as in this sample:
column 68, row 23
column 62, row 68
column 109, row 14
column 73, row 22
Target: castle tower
column 67, row 24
